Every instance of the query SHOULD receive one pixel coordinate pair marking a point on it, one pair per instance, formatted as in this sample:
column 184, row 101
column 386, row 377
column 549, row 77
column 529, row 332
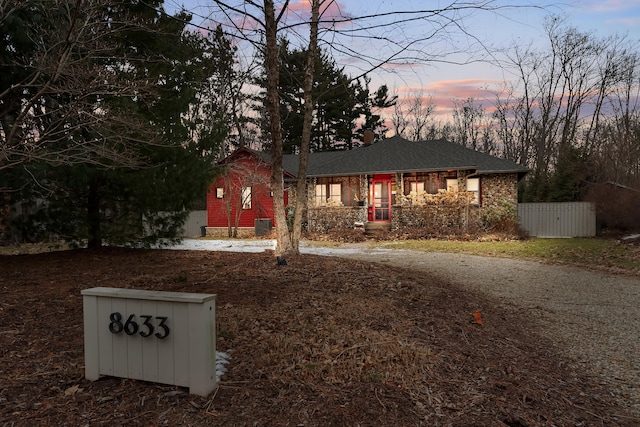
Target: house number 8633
column 132, row 327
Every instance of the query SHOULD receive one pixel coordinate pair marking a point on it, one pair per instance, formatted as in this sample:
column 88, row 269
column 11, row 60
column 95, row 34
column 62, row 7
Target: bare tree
column 421, row 111
column 284, row 244
column 616, row 141
column 563, row 95
column 470, row 124
column 399, row 119
column 53, row 110
column 312, row 55
column 413, row 116
column 338, row 33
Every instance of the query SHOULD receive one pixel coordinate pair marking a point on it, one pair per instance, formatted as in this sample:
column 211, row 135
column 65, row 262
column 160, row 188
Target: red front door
column 380, row 193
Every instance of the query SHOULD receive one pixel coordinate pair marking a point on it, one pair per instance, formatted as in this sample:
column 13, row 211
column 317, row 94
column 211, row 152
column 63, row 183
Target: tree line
column 570, row 113
column 114, row 113
column 105, row 123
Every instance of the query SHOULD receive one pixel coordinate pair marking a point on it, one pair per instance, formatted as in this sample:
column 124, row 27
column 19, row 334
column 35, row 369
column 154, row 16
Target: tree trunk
column 301, row 193
column 283, row 245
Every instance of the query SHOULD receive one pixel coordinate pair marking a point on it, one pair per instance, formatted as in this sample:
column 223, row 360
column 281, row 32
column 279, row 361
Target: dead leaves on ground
column 320, row 341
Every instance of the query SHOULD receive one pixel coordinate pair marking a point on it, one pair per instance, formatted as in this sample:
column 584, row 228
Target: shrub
column 502, row 218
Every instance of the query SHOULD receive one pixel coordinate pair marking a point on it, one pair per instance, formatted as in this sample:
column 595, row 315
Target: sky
column 448, row 65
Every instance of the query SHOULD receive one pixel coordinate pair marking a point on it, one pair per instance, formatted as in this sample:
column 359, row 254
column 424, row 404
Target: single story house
column 393, row 183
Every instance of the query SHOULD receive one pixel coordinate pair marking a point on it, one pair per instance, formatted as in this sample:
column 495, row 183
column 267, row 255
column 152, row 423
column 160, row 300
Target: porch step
column 371, row 227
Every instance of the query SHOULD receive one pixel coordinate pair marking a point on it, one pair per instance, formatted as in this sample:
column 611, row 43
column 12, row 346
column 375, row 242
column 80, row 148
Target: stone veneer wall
column 498, row 189
column 223, row 232
column 326, row 218
column 322, row 219
column 441, row 217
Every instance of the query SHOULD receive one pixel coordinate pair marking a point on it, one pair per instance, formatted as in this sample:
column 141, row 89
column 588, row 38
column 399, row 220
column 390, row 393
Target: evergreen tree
column 142, row 171
column 567, row 182
column 371, row 103
column 340, row 103
column 572, row 174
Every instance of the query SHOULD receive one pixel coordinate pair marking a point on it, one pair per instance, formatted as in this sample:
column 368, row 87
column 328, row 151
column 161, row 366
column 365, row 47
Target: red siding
column 245, row 170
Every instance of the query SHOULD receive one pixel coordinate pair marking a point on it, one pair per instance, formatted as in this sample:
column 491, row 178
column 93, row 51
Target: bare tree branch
column 62, row 90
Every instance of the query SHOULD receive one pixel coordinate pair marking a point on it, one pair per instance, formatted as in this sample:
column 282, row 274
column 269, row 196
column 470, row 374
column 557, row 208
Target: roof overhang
column 386, row 172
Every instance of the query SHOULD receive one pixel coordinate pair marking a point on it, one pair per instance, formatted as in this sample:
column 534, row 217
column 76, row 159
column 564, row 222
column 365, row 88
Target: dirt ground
column 319, row 342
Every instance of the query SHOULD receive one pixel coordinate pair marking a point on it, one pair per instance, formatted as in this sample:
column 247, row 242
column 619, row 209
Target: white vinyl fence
column 576, row 219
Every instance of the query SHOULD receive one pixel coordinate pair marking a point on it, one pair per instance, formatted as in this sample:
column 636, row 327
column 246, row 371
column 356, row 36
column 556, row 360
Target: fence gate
column 577, row 219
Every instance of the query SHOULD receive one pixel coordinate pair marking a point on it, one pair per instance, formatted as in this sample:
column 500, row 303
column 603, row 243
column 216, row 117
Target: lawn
column 608, row 254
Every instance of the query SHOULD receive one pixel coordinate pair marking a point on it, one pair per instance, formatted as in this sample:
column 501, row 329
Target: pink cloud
column 444, row 94
column 301, row 9
column 331, row 13
column 328, row 10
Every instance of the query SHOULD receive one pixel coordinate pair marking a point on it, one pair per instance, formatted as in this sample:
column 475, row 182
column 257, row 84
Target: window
column 246, row 197
column 219, row 193
column 321, row 194
column 335, row 193
column 473, row 186
column 432, row 185
column 328, row 194
column 452, row 184
column 417, row 187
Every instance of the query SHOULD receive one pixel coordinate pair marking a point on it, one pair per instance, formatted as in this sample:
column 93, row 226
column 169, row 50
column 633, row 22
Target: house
column 241, row 195
column 397, row 183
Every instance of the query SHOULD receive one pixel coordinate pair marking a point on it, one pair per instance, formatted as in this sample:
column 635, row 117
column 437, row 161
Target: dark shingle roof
column 397, row 154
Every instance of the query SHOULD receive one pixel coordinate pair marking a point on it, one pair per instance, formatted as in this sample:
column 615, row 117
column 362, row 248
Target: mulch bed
column 319, row 342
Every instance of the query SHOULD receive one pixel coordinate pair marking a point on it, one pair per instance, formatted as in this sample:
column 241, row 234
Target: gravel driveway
column 594, row 317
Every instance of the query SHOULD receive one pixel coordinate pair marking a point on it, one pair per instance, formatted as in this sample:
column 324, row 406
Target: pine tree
column 340, row 103
column 126, row 168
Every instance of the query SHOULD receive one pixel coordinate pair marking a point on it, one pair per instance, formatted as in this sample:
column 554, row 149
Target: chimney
column 368, row 137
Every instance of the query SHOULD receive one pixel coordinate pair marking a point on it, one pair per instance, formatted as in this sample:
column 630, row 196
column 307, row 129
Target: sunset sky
column 432, row 66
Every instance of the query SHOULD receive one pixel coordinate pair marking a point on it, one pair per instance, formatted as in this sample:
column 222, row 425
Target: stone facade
column 496, row 191
column 326, row 218
column 440, row 217
column 223, row 232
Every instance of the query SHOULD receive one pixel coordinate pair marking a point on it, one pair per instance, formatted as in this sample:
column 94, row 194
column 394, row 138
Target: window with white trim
column 452, row 184
column 321, row 194
column 335, row 193
column 473, row 186
column 246, row 198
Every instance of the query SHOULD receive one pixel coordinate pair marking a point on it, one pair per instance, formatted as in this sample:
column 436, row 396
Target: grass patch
column 582, row 251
